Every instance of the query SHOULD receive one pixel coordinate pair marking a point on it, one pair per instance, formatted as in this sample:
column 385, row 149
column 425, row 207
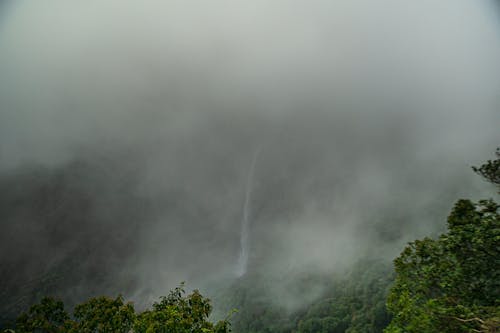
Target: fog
column 128, row 131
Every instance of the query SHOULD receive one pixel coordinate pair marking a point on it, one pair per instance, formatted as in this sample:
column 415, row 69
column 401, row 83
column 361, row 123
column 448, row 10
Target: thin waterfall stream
column 241, row 267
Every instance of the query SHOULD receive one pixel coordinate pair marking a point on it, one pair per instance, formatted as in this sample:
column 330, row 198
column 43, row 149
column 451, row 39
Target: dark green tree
column 103, row 314
column 490, row 170
column 47, row 316
column 177, row 313
column 452, row 284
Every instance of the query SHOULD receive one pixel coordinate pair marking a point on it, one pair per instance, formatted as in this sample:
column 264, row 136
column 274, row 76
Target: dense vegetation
column 175, row 313
column 452, row 284
column 447, row 284
column 350, row 302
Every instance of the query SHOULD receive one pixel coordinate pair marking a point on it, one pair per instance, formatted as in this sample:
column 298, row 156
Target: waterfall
column 241, row 269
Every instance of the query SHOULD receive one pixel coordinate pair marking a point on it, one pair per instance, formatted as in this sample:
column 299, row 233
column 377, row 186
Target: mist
column 129, row 131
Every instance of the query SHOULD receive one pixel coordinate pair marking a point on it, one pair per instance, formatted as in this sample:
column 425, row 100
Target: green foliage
column 103, row 314
column 353, row 302
column 47, row 316
column 442, row 284
column 175, row 313
column 178, row 314
column 452, row 284
column 490, row 170
column 329, row 316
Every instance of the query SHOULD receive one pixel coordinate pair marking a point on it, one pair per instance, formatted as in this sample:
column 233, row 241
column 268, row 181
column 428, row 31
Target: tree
column 47, row 316
column 490, row 170
column 103, row 314
column 452, row 284
column 175, row 313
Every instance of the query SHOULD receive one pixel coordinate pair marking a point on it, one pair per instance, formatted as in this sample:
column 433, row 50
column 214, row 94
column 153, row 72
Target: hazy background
column 127, row 130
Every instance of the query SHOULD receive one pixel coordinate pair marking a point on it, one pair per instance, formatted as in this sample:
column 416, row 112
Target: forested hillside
column 353, row 301
column 448, row 284
column 452, row 284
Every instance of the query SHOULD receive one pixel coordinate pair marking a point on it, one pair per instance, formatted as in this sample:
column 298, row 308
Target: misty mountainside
column 350, row 301
column 116, row 222
column 277, row 156
column 441, row 284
